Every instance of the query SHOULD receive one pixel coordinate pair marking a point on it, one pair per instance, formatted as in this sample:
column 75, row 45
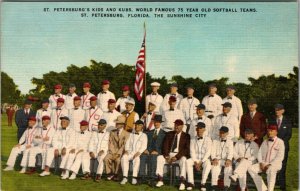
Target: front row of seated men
column 149, row 152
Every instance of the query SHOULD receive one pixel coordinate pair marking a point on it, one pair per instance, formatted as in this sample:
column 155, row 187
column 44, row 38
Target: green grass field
column 14, row 181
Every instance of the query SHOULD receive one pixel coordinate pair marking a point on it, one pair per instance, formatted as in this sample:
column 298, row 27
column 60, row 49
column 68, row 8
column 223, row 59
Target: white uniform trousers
column 33, row 151
column 271, row 177
column 190, row 170
column 216, row 170
column 161, row 161
column 67, row 160
column 241, row 169
column 49, row 156
column 14, row 154
column 125, row 164
column 101, row 163
column 81, row 159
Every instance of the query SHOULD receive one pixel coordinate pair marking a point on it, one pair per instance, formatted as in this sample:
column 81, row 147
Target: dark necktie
column 56, row 95
column 171, row 109
column 44, row 129
column 100, row 132
column 82, row 132
column 26, row 111
column 223, row 140
column 248, row 142
column 154, row 94
column 200, row 138
column 29, row 127
column 199, row 118
column 75, row 108
column 229, row 97
column 271, row 140
column 110, row 111
column 70, row 95
column 44, row 109
column 63, row 128
column 136, row 133
column 224, row 114
column 190, row 97
column 58, row 108
column 149, row 113
column 211, row 96
column 174, row 146
column 155, row 134
column 103, row 92
column 92, row 107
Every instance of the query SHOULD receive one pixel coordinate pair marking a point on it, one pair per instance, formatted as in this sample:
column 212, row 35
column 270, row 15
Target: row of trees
column 268, row 90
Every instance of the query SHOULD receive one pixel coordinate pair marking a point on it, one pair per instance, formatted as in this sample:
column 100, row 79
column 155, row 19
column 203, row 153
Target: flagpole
column 145, row 88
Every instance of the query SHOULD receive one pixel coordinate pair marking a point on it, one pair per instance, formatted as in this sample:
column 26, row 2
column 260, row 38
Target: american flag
column 140, row 70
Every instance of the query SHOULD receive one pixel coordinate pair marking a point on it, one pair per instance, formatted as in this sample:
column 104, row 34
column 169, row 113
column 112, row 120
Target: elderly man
column 70, row 97
column 237, row 108
column 44, row 111
column 57, row 94
column 111, row 115
column 130, row 115
column 105, row 95
column 85, row 98
column 148, row 116
column 93, row 114
column 155, row 97
column 58, row 112
column 121, row 102
column 116, row 148
column 173, row 93
column 176, row 148
column 76, row 114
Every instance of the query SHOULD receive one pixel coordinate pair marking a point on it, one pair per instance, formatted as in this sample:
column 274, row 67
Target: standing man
column 105, row 95
column 270, row 157
column 57, row 94
column 285, row 133
column 85, row 98
column 70, row 97
column 22, row 116
column 10, row 111
column 237, row 108
column 155, row 97
column 130, row 115
column 76, row 114
column 200, row 111
column 93, row 114
column 111, row 115
column 212, row 102
column 174, row 93
column 148, row 116
column 44, row 111
column 120, row 105
column 254, row 120
column 188, row 106
column 58, row 112
column 176, row 148
column 116, row 148
column 135, row 146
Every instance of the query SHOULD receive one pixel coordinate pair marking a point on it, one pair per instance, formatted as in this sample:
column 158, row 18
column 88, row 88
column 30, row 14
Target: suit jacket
column 257, row 124
column 184, row 144
column 21, row 120
column 284, row 131
column 155, row 144
column 117, row 143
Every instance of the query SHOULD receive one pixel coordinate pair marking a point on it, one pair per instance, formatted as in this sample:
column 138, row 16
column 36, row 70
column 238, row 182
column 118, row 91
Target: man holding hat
column 285, row 133
column 200, row 111
column 270, row 157
column 200, row 150
column 228, row 120
column 70, row 97
column 148, row 116
column 24, row 145
column 170, row 115
column 93, row 114
column 176, row 148
column 154, row 148
column 21, row 117
column 155, row 97
column 57, row 94
column 254, row 120
column 174, row 93
column 58, row 112
column 237, row 108
column 98, row 147
column 85, row 98
column 80, row 152
column 212, row 102
column 105, row 95
column 221, row 156
column 135, row 146
column 44, row 111
column 111, row 115
column 130, row 115
column 76, row 114
column 188, row 106
column 120, row 105
column 245, row 154
column 116, row 148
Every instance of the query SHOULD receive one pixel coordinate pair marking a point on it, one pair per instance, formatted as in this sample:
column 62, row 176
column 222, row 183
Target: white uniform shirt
column 208, row 126
column 85, row 100
column 28, row 136
column 64, row 138
column 76, row 116
column 271, row 152
column 169, row 117
column 110, row 118
column 53, row 100
column 245, row 150
column 42, row 112
column 93, row 115
column 99, row 142
column 222, row 150
column 83, row 140
column 49, row 132
column 136, row 143
column 188, row 107
column 213, row 105
column 237, row 108
column 69, row 102
column 229, row 121
column 200, row 149
column 103, row 98
column 165, row 103
column 156, row 98
column 55, row 116
column 121, row 102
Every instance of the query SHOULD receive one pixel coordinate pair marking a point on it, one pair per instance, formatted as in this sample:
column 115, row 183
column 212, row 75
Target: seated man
column 176, row 148
column 221, row 156
column 245, row 153
column 116, row 148
column 24, row 145
column 135, row 146
column 270, row 157
column 200, row 150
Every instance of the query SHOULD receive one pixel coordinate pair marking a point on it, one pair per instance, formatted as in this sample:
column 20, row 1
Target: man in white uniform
column 120, row 105
column 58, row 112
column 155, row 97
column 85, row 98
column 70, row 97
column 93, row 114
column 237, row 108
column 111, row 115
column 149, row 116
column 76, row 114
column 45, row 110
column 174, row 93
column 105, row 95
column 200, row 111
column 57, row 94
